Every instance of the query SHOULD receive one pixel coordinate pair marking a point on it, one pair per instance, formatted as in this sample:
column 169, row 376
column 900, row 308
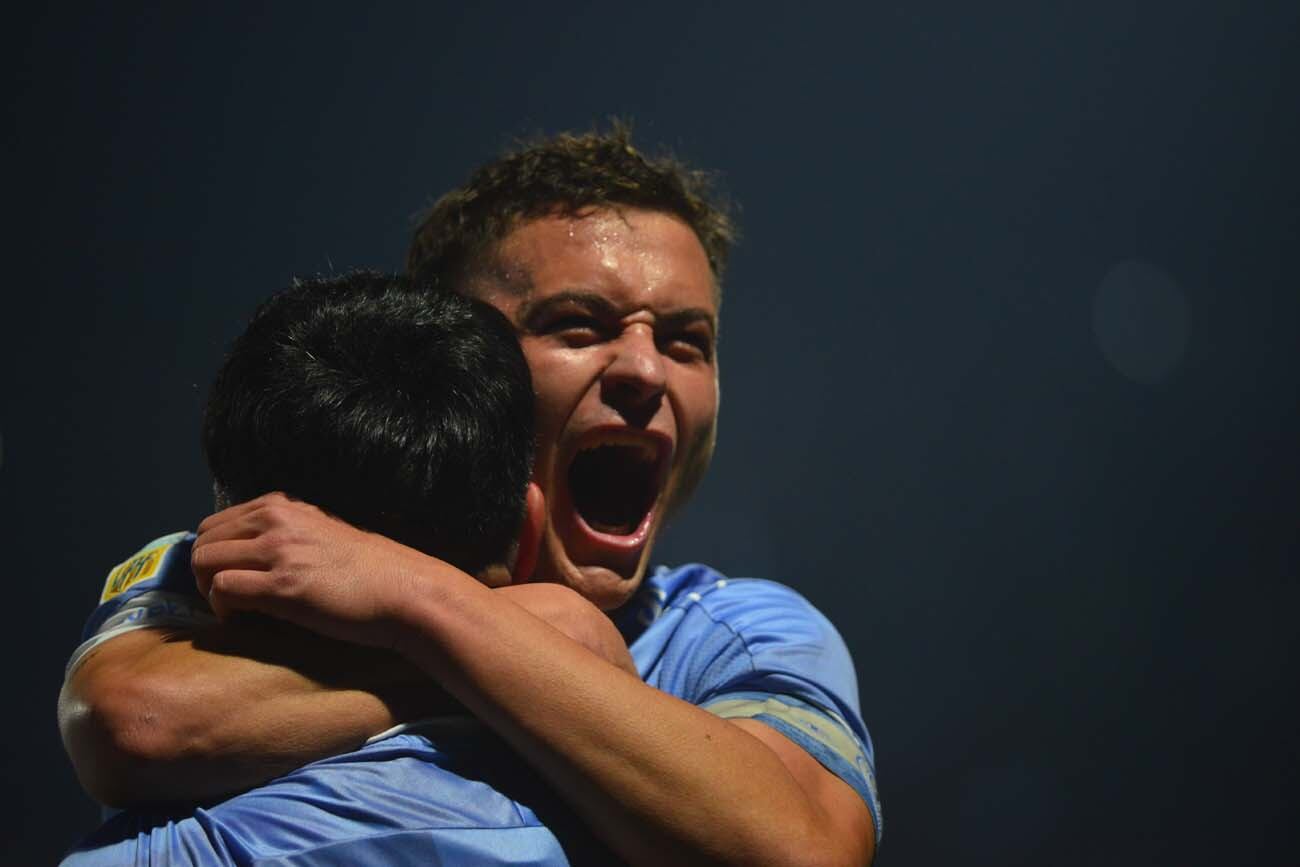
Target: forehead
column 633, row 258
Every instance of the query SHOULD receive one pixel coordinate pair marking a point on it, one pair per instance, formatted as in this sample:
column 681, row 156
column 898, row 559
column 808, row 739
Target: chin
column 605, row 509
column 608, row 590
column 606, row 587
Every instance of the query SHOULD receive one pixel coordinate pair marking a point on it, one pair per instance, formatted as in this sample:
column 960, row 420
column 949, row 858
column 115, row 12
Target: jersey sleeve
column 753, row 649
column 153, row 587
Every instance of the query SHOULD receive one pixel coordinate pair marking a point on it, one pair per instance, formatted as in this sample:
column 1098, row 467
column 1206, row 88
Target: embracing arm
column 660, row 780
column 189, row 714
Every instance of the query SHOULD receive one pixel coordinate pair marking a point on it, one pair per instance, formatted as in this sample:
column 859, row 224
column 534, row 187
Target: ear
column 530, row 534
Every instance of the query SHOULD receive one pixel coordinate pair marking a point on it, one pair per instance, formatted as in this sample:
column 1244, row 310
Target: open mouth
column 614, row 482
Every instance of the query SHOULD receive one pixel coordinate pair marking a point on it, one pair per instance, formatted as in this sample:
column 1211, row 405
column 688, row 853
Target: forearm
column 662, row 781
column 150, row 716
column 155, row 717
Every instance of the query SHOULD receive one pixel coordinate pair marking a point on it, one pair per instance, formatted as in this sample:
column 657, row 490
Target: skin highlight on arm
column 661, row 781
column 189, row 715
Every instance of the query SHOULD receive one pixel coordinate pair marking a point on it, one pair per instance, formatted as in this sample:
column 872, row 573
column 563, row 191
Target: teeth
column 646, row 450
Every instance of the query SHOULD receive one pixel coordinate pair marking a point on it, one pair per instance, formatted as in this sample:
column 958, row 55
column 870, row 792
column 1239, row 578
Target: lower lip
column 631, row 542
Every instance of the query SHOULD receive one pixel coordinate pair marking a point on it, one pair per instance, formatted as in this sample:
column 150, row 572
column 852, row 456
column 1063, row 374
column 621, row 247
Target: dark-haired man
column 409, row 414
column 743, row 743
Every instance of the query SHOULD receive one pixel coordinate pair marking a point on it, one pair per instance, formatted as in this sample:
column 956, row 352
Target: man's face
column 616, row 314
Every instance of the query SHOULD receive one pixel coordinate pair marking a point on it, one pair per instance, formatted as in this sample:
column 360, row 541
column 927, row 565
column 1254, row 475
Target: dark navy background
column 1010, row 366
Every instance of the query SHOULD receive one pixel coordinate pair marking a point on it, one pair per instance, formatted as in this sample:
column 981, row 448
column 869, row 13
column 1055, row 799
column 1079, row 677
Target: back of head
column 403, row 411
column 565, row 174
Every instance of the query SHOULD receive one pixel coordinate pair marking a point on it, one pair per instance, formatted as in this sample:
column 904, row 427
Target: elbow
column 113, row 728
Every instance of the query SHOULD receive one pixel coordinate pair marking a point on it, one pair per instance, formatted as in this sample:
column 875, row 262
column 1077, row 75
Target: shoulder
column 750, row 648
column 758, row 610
column 702, row 632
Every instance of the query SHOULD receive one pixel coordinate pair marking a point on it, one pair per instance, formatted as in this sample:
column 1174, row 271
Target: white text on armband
column 158, row 607
column 155, row 608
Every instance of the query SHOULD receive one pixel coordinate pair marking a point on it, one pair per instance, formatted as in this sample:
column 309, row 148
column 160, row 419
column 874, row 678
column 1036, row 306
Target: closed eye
column 575, row 330
column 687, row 346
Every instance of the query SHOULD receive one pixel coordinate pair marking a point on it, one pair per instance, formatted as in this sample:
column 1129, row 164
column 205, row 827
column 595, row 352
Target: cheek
column 559, row 385
column 547, row 416
column 697, row 427
column 557, row 397
column 699, row 408
column 548, row 385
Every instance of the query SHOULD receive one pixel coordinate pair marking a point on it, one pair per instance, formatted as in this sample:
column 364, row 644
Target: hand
column 290, row 560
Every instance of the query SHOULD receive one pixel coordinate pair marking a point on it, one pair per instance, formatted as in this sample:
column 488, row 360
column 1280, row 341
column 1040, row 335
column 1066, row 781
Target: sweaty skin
column 617, row 314
column 188, row 714
column 659, row 780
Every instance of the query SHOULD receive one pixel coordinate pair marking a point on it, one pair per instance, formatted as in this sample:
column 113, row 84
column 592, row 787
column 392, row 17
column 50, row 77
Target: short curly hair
column 564, row 174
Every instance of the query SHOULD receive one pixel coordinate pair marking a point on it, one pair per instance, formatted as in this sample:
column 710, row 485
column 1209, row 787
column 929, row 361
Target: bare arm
column 169, row 715
column 160, row 715
column 661, row 780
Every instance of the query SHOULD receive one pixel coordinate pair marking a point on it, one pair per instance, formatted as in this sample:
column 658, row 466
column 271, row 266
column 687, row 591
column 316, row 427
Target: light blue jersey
column 749, row 648
column 399, row 801
column 741, row 648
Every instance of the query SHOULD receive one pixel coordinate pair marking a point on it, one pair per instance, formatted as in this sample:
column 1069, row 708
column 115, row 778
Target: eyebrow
column 689, row 316
column 532, row 311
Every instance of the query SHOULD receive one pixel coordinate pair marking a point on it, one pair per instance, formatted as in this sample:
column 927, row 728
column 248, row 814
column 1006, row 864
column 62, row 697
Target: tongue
column 609, row 487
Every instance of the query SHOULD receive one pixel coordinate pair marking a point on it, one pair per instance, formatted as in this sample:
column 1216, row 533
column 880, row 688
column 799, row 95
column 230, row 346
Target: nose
column 634, row 381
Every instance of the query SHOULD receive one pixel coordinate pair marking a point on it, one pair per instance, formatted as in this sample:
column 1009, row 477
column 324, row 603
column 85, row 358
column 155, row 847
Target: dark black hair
column 563, row 174
column 401, row 410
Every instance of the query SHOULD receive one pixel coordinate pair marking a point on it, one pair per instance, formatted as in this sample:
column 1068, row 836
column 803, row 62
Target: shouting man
column 408, row 413
column 741, row 741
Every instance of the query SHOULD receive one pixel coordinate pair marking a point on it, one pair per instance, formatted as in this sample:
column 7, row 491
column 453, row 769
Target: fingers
column 211, row 557
column 240, row 512
column 269, row 592
column 226, row 515
column 235, row 590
